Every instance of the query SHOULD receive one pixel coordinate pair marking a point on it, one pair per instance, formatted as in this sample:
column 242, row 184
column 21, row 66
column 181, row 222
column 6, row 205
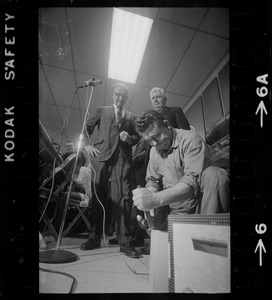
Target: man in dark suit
column 112, row 155
column 173, row 114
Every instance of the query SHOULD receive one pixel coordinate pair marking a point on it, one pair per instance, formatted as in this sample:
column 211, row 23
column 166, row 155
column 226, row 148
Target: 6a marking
column 262, row 92
column 261, row 229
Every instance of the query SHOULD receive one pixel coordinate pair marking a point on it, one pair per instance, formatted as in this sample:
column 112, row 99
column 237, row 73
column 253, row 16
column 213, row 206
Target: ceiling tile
column 49, row 115
column 49, row 73
column 217, row 22
column 93, row 66
column 164, row 50
column 176, row 58
column 201, row 58
column 140, row 100
column 148, row 12
column 62, row 85
column 54, row 55
column 188, row 16
column 176, row 100
column 91, row 32
column 52, row 15
column 54, row 40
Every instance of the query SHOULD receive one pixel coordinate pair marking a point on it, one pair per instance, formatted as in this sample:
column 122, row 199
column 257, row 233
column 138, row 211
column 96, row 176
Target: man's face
column 69, row 147
column 158, row 137
column 158, row 101
column 119, row 96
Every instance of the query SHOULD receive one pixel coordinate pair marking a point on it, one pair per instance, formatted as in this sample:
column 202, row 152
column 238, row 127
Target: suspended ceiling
column 184, row 48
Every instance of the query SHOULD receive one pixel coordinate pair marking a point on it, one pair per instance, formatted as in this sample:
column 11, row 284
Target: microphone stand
column 56, row 255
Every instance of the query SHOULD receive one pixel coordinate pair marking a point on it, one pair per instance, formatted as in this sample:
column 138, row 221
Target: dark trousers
column 117, row 170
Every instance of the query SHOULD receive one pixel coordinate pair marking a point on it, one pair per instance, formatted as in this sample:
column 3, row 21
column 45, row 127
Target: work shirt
column 184, row 162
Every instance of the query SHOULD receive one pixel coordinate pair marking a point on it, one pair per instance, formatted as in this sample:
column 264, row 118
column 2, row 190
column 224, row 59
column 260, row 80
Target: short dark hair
column 149, row 117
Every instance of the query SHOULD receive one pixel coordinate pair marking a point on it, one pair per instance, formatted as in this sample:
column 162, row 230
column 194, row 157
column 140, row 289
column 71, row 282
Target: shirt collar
column 175, row 143
column 115, row 107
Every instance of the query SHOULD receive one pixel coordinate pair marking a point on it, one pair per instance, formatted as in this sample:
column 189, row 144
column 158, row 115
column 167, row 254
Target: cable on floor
column 104, row 236
column 64, row 274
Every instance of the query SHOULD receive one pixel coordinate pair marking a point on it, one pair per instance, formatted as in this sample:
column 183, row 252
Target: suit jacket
column 108, row 132
column 176, row 117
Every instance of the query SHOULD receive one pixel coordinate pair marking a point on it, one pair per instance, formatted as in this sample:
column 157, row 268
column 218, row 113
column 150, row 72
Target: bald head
column 120, row 88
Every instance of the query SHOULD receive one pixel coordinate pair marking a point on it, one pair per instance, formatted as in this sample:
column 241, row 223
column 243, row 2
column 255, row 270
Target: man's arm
column 150, row 197
column 195, row 161
column 90, row 125
column 134, row 138
column 93, row 121
column 147, row 200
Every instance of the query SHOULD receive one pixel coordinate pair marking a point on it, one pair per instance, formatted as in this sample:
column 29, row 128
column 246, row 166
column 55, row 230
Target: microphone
column 92, row 82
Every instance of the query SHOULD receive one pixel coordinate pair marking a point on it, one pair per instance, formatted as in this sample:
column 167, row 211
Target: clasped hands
column 125, row 137
column 144, row 199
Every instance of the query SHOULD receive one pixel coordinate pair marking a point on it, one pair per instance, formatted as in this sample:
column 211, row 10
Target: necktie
column 119, row 115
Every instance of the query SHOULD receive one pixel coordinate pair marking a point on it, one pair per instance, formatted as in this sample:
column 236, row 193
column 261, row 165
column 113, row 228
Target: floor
column 102, row 270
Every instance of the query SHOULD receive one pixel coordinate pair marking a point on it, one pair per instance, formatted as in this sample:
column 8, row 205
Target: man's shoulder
column 186, row 134
column 173, row 108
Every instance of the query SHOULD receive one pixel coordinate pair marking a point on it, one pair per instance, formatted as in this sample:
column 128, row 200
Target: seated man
column 81, row 190
column 179, row 160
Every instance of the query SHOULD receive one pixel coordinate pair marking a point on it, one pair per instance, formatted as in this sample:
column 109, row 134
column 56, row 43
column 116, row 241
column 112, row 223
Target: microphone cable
column 50, row 193
column 64, row 126
column 64, row 274
column 65, row 122
column 104, row 236
column 104, row 215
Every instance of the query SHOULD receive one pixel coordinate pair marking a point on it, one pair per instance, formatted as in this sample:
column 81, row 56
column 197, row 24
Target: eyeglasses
column 120, row 95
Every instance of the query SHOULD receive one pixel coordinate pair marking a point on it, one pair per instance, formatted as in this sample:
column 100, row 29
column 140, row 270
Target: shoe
column 91, row 244
column 129, row 251
column 144, row 251
column 114, row 241
column 109, row 233
column 137, row 242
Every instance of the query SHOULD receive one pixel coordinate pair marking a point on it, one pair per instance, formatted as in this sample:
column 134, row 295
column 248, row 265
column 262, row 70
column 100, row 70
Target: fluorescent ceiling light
column 129, row 37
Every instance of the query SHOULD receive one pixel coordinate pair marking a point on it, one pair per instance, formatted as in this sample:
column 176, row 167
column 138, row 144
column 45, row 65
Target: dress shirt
column 117, row 117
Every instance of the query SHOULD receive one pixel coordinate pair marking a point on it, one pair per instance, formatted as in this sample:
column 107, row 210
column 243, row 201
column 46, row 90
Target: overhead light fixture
column 129, row 37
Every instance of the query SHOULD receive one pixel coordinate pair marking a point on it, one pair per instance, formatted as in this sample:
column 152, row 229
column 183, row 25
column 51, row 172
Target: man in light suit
column 112, row 155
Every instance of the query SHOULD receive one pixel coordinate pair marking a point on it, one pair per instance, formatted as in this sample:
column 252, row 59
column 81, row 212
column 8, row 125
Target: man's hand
column 92, row 151
column 125, row 137
column 144, row 199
